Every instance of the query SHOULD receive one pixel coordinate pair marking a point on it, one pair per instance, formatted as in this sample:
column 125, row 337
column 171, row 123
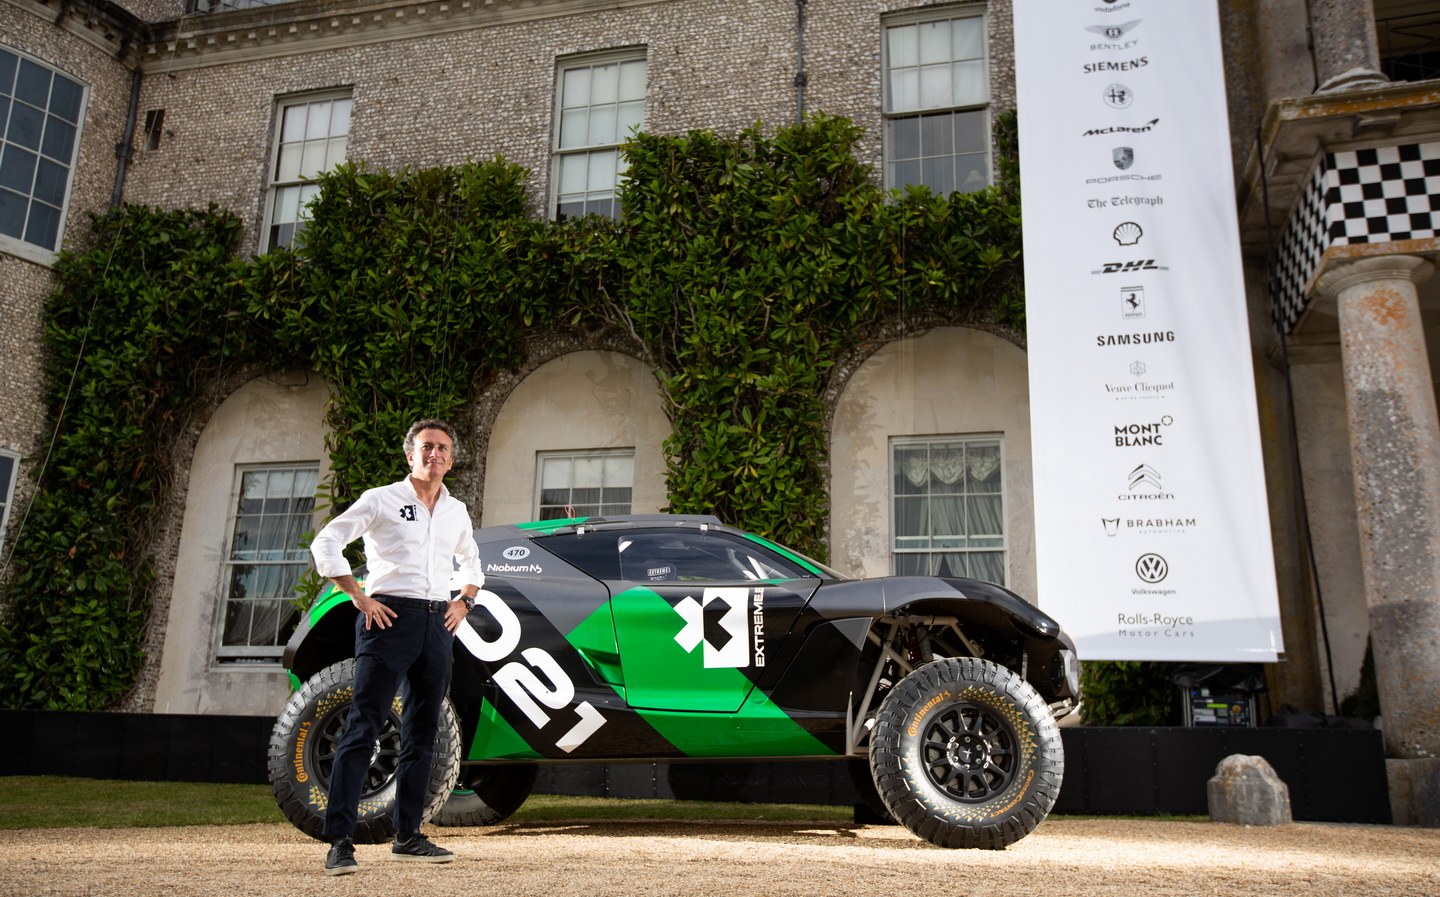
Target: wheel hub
column 969, row 752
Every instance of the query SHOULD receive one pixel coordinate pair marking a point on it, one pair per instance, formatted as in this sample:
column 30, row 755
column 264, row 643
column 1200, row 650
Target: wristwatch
column 469, row 602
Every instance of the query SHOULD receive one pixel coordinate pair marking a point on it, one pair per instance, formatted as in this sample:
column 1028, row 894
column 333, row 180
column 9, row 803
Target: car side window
column 691, row 557
column 595, row 553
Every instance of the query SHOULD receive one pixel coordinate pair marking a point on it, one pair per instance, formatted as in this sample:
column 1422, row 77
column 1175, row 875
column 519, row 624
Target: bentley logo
column 1111, row 32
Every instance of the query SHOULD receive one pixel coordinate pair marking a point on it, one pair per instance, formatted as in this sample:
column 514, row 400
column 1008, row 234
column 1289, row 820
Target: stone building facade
column 194, row 96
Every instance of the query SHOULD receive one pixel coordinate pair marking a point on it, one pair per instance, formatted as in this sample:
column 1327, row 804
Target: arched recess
column 948, row 382
column 271, row 422
column 587, row 400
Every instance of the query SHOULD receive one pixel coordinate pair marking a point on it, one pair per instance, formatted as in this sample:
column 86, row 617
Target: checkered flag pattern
column 1360, row 196
column 1301, row 246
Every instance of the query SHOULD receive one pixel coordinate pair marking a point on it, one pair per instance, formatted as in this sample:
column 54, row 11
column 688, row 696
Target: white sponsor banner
column 1152, row 527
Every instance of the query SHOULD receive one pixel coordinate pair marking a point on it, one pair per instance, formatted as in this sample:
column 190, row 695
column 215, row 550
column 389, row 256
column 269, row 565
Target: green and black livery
column 668, row 637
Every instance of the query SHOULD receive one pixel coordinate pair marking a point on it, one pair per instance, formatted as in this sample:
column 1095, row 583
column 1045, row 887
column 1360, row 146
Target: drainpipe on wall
column 123, row 150
column 800, row 78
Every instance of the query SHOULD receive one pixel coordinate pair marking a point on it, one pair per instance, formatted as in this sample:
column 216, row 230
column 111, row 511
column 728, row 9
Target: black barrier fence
column 1334, row 775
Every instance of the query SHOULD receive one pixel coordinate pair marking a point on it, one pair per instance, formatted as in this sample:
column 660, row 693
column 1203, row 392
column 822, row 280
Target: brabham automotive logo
column 722, row 621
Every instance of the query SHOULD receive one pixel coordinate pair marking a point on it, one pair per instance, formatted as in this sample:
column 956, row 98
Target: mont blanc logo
column 718, row 622
column 1118, row 96
column 1137, row 369
column 408, row 512
column 1151, row 568
column 1151, row 433
column 515, row 553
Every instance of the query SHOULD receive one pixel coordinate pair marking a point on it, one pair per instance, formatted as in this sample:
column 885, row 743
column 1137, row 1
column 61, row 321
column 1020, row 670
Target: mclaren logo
column 720, row 622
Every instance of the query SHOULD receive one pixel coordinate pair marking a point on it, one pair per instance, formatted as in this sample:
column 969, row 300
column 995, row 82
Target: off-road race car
column 671, row 638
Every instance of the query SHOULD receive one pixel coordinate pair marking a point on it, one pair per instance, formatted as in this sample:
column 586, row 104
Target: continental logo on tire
column 914, row 728
column 299, row 757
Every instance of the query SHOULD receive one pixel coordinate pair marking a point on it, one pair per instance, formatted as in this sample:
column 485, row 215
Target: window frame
column 967, row 439
column 18, row 246
column 538, row 505
column 921, row 17
column 567, row 64
column 237, row 657
column 7, row 491
column 277, row 133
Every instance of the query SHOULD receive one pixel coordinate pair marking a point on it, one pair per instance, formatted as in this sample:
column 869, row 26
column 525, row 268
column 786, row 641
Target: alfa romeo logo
column 1151, row 568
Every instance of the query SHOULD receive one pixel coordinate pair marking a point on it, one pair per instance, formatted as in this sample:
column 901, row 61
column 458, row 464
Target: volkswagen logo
column 1151, row 568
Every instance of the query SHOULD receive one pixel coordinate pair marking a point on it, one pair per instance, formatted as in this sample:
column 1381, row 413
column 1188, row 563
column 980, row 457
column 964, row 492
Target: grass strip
column 70, row 802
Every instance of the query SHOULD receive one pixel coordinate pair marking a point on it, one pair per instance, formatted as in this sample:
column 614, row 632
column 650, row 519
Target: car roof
column 588, row 524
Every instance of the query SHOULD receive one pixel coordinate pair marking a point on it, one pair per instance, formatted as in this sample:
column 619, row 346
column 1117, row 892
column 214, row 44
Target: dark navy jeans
column 412, row 656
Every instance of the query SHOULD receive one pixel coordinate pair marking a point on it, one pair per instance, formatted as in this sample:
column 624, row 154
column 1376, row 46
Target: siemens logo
column 1128, row 65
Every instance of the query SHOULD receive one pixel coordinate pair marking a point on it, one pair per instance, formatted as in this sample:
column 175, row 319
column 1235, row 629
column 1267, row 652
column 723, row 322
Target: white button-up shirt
column 409, row 550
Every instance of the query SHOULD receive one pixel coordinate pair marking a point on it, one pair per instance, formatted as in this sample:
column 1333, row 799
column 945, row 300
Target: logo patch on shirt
column 407, row 512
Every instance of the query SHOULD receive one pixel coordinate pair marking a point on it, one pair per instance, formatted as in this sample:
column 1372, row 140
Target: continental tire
column 966, row 754
column 302, row 754
column 487, row 795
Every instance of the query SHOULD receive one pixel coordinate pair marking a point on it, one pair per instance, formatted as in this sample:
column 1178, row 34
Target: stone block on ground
column 1246, row 791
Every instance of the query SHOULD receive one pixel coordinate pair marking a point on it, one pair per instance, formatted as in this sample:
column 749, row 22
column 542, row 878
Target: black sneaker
column 341, row 858
column 415, row 846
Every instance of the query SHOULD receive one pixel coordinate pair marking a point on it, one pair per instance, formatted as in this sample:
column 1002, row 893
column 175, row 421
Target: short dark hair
column 428, row 423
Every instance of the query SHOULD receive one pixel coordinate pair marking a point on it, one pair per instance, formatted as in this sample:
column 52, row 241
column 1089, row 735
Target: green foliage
column 1127, row 693
column 750, row 264
column 744, row 267
column 137, row 328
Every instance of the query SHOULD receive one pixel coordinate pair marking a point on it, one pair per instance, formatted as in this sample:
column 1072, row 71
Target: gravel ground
column 1065, row 857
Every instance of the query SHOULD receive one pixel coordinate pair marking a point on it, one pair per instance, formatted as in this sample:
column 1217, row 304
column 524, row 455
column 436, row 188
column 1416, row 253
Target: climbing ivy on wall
column 136, row 329
column 744, row 267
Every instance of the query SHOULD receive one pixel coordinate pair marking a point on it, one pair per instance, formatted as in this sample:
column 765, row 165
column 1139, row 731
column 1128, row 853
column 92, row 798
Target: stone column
column 1395, row 445
column 1347, row 55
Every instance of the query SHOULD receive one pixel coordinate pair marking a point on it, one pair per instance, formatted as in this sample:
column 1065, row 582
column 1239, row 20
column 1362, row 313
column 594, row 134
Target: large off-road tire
column 487, row 795
column 302, row 754
column 966, row 754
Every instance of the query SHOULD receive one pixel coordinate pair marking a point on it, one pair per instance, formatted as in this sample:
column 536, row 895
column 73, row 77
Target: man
column 414, row 531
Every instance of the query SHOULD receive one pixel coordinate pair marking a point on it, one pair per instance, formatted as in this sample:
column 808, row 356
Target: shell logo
column 1128, row 234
